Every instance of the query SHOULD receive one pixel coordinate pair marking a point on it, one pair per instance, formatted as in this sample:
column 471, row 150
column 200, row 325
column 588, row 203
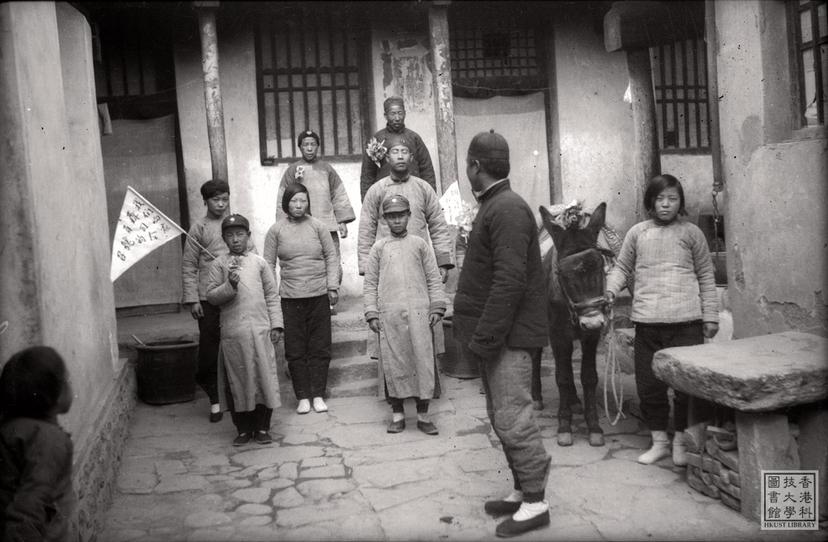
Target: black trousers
column 397, row 404
column 209, row 336
column 652, row 392
column 308, row 344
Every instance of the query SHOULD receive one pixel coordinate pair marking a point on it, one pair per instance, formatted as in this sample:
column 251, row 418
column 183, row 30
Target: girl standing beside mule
column 674, row 304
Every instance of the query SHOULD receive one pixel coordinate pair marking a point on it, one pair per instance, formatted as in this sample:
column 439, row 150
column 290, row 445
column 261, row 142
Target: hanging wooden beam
column 212, row 90
column 443, row 95
column 638, row 24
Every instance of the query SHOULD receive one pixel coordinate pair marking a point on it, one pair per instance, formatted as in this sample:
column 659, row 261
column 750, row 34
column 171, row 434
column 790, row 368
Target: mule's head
column 580, row 265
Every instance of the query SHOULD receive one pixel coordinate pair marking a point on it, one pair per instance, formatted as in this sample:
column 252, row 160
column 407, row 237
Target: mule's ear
column 548, row 220
column 551, row 226
column 598, row 218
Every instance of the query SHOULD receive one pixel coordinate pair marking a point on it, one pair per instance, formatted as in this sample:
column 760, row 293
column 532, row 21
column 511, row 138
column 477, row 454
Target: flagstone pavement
column 340, row 476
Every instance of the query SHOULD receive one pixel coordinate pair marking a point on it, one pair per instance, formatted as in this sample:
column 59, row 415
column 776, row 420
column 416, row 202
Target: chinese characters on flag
column 141, row 229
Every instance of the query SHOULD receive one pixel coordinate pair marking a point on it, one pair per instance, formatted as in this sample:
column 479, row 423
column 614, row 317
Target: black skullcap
column 393, row 100
column 489, row 145
column 398, row 139
column 291, row 190
column 234, row 221
column 213, row 187
column 303, row 135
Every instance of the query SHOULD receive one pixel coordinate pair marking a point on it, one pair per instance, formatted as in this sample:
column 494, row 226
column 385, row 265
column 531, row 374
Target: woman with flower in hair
column 326, row 191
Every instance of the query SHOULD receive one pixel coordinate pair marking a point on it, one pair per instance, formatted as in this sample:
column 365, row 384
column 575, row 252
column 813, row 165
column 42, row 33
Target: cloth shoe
column 679, row 449
column 396, row 426
column 530, row 516
column 216, row 416
column 304, row 406
column 319, row 405
column 241, row 439
column 263, row 437
column 427, row 427
column 508, row 505
column 659, row 450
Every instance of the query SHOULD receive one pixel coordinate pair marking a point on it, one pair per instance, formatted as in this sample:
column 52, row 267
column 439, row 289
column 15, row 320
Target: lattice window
column 133, row 57
column 496, row 51
column 308, row 77
column 810, row 42
column 680, row 83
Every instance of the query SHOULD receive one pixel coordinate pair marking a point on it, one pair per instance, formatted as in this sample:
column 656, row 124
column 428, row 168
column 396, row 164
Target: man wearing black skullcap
column 421, row 165
column 499, row 314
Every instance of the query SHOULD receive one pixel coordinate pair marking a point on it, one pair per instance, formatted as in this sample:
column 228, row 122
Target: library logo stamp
column 789, row 500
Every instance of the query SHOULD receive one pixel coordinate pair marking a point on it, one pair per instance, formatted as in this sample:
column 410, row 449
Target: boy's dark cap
column 395, row 203
column 394, row 140
column 235, row 221
column 213, row 187
column 307, row 133
column 489, row 145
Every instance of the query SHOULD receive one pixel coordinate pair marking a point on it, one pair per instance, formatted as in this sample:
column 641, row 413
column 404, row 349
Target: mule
column 574, row 270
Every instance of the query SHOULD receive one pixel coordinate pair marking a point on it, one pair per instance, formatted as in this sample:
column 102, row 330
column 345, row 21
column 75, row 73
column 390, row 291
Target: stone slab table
column 758, row 377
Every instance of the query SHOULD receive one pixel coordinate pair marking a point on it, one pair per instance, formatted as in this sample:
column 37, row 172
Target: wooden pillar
column 713, row 92
column 212, row 90
column 646, row 159
column 443, row 96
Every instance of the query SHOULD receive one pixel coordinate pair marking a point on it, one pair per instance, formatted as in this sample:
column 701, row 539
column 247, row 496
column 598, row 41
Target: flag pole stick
column 157, row 210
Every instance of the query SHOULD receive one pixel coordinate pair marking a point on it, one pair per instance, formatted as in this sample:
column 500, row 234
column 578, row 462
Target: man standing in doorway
column 499, row 313
column 421, row 165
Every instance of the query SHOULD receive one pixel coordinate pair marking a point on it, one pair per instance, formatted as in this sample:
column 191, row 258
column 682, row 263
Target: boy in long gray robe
column 243, row 286
column 403, row 299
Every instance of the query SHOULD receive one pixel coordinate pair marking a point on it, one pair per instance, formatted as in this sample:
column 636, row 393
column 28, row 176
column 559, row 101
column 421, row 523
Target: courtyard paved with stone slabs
column 340, row 476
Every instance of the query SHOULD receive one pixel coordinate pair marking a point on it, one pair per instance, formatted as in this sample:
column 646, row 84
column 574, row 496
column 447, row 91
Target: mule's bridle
column 600, row 302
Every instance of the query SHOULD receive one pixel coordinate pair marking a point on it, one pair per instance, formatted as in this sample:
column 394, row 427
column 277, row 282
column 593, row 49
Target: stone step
column 345, row 370
column 349, row 343
column 357, row 388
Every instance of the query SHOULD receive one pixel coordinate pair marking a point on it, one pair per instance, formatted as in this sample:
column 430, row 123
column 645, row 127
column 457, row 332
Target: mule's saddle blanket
column 756, row 374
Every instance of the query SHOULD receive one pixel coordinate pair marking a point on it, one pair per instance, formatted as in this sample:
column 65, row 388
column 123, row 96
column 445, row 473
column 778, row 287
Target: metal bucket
column 166, row 371
column 453, row 362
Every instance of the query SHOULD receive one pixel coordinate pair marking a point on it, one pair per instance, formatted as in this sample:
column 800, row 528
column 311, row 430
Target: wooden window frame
column 268, row 24
column 800, row 100
column 693, row 132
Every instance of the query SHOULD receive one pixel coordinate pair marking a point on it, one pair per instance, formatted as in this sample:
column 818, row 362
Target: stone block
column 764, row 443
column 729, row 459
column 710, row 464
column 723, row 483
column 755, row 374
column 694, row 459
column 813, row 446
column 694, row 436
column 734, row 478
column 694, row 480
column 731, row 502
column 711, row 447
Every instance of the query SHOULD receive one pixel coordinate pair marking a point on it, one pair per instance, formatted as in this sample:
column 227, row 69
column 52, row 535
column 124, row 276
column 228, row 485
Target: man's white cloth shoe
column 304, row 406
column 319, row 405
column 528, row 510
column 659, row 450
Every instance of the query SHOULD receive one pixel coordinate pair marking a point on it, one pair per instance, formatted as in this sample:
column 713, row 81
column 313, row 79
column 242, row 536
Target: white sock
column 422, row 417
column 215, row 408
column 397, row 416
column 515, row 496
column 528, row 510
